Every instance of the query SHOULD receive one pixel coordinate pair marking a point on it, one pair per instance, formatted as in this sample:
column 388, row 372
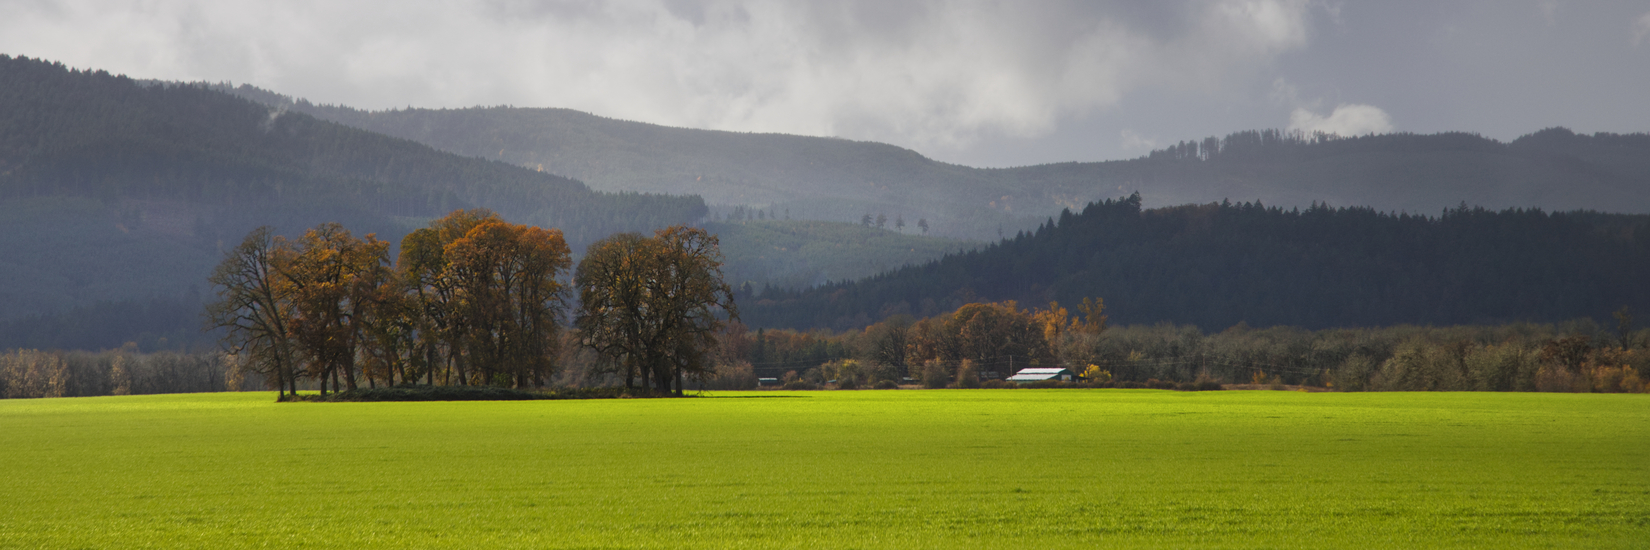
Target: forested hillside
column 815, row 178
column 1217, row 265
column 1553, row 169
column 841, row 180
column 805, row 253
column 114, row 194
column 117, row 196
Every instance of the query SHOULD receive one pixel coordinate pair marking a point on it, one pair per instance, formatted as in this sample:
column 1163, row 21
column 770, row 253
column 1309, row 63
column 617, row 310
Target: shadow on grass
column 476, row 393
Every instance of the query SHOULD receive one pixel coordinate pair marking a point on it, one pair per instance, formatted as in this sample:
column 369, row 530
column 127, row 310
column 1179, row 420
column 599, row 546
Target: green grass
column 883, row 469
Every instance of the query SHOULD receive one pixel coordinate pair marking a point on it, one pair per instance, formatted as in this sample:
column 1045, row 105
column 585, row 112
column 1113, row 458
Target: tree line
column 470, row 300
column 123, row 371
column 1578, row 355
column 1216, row 265
column 989, row 340
column 982, row 342
column 1297, row 145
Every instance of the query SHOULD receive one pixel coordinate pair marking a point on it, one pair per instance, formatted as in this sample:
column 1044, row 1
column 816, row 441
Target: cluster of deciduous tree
column 992, row 340
column 982, row 341
column 36, row 373
column 652, row 306
column 1216, row 265
column 471, row 300
column 1573, row 356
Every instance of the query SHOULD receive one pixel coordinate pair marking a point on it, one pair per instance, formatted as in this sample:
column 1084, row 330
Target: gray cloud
column 1641, row 28
column 923, row 73
column 977, row 81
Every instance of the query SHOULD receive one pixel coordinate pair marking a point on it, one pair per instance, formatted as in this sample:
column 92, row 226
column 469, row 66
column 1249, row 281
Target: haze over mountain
column 113, row 191
column 841, row 180
column 118, row 196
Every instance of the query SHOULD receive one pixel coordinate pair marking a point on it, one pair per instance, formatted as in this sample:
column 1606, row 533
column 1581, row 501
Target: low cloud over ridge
column 978, row 82
column 919, row 73
column 1345, row 120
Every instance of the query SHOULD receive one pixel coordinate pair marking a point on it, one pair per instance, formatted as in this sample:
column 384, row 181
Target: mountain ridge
column 841, row 180
column 113, row 190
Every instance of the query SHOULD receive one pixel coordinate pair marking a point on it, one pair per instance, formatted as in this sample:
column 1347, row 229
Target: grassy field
column 882, row 469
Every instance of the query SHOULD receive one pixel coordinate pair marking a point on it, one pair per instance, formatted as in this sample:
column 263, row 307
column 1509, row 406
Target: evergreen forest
column 1223, row 264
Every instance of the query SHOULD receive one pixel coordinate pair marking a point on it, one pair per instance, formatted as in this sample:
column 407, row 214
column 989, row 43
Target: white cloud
column 1641, row 29
column 1345, row 120
column 1133, row 141
column 928, row 72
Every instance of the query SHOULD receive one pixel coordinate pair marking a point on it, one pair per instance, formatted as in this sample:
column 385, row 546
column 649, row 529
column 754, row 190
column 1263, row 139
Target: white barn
column 1039, row 374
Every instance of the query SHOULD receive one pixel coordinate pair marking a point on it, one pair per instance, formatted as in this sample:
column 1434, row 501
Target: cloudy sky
column 975, row 82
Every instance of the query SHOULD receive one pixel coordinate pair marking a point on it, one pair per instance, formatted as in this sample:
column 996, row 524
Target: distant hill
column 1218, row 265
column 114, row 193
column 841, row 180
column 117, row 196
column 815, row 178
column 1554, row 170
column 806, row 253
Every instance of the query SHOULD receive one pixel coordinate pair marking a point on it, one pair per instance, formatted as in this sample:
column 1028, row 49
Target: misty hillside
column 840, row 180
column 815, row 178
column 806, row 253
column 113, row 192
column 118, row 196
column 1217, row 265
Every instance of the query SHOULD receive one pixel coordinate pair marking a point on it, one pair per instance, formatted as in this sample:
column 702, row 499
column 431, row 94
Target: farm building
column 1037, row 374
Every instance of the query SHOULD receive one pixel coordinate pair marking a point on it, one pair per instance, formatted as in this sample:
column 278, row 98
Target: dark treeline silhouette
column 1217, row 265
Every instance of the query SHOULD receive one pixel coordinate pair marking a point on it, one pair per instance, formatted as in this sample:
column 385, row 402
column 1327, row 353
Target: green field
column 884, row 469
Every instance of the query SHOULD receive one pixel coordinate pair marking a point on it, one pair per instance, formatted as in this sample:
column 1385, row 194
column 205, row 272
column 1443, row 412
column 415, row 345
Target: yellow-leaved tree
column 651, row 306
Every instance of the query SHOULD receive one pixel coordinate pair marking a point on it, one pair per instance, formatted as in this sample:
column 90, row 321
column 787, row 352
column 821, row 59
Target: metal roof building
column 1039, row 374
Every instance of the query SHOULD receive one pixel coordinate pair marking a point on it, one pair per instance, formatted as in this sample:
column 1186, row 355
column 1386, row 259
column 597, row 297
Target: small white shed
column 1039, row 374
